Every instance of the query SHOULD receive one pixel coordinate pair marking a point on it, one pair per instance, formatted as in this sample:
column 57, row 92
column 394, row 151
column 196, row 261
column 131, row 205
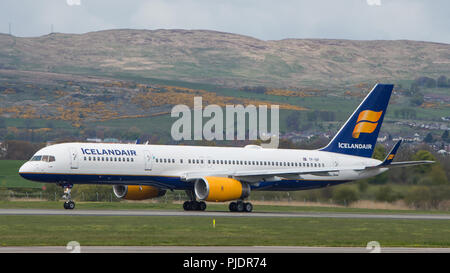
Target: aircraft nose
column 24, row 169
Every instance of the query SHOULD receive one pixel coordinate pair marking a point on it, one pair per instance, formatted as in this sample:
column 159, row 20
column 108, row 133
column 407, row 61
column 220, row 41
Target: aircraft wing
column 257, row 175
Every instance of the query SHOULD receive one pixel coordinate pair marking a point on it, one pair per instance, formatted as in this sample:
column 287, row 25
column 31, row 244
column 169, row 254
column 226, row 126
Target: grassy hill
column 224, row 59
column 123, row 83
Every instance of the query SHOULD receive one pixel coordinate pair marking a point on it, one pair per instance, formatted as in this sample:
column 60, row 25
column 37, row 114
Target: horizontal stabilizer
column 407, row 163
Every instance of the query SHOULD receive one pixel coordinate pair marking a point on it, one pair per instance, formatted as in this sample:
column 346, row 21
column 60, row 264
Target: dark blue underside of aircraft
column 169, row 182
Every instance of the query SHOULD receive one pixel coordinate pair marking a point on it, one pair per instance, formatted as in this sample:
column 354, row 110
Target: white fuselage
column 172, row 166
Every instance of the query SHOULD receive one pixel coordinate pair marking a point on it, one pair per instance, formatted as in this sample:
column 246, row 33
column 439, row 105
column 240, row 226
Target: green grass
column 9, row 175
column 199, row 231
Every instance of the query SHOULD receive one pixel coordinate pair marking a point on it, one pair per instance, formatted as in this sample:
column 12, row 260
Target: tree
column 445, row 136
column 442, row 82
column 426, row 82
column 379, row 152
column 417, row 99
column 414, row 88
column 293, row 121
column 418, row 197
column 385, row 194
column 20, row 150
column 345, row 196
column 428, row 138
column 423, row 155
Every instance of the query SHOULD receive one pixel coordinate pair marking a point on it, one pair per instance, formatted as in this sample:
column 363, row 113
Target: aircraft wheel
column 233, row 206
column 202, row 206
column 195, row 205
column 248, row 207
column 240, row 206
column 69, row 205
column 187, row 205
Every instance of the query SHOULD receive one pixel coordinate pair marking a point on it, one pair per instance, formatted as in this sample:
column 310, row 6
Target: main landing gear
column 194, row 205
column 240, row 206
column 69, row 204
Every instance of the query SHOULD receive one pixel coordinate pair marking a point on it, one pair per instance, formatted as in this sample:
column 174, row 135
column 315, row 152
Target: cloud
column 73, row 2
column 262, row 19
column 374, row 2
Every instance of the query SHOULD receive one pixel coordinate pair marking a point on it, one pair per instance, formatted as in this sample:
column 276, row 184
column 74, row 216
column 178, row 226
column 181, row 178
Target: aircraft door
column 148, row 160
column 73, row 158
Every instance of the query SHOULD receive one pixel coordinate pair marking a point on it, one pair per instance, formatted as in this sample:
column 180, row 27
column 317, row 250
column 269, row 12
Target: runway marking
column 217, row 249
column 76, row 212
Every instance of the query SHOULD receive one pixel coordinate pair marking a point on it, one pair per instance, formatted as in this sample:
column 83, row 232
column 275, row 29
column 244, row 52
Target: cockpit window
column 36, row 158
column 45, row 158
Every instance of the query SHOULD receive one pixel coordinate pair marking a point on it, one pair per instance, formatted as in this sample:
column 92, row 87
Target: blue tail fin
column 359, row 134
column 391, row 155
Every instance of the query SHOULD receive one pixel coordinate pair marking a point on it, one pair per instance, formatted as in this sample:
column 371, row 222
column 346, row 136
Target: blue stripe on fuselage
column 170, row 182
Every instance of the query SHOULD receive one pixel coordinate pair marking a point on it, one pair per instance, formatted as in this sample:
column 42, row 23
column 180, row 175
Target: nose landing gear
column 69, row 204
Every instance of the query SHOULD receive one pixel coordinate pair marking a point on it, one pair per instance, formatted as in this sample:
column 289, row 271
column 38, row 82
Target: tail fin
column 391, row 154
column 359, row 134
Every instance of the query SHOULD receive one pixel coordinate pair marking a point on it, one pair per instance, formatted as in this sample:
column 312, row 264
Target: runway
column 172, row 213
column 216, row 249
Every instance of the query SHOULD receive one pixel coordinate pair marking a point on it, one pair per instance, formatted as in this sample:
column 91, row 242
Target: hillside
column 224, row 59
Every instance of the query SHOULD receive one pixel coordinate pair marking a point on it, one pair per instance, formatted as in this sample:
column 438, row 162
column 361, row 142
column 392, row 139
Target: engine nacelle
column 137, row 192
column 220, row 189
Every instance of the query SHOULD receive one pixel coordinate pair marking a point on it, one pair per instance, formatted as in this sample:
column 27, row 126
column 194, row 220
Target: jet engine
column 220, row 189
column 137, row 192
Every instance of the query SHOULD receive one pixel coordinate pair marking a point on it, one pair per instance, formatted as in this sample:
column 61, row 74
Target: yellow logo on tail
column 367, row 122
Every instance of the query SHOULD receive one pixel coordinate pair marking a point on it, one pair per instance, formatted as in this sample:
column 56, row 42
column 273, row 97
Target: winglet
column 391, row 154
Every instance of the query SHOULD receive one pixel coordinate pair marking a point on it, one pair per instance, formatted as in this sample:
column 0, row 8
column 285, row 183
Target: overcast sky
column 426, row 20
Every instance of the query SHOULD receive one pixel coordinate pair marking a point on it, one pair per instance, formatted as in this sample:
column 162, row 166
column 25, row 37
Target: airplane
column 220, row 174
